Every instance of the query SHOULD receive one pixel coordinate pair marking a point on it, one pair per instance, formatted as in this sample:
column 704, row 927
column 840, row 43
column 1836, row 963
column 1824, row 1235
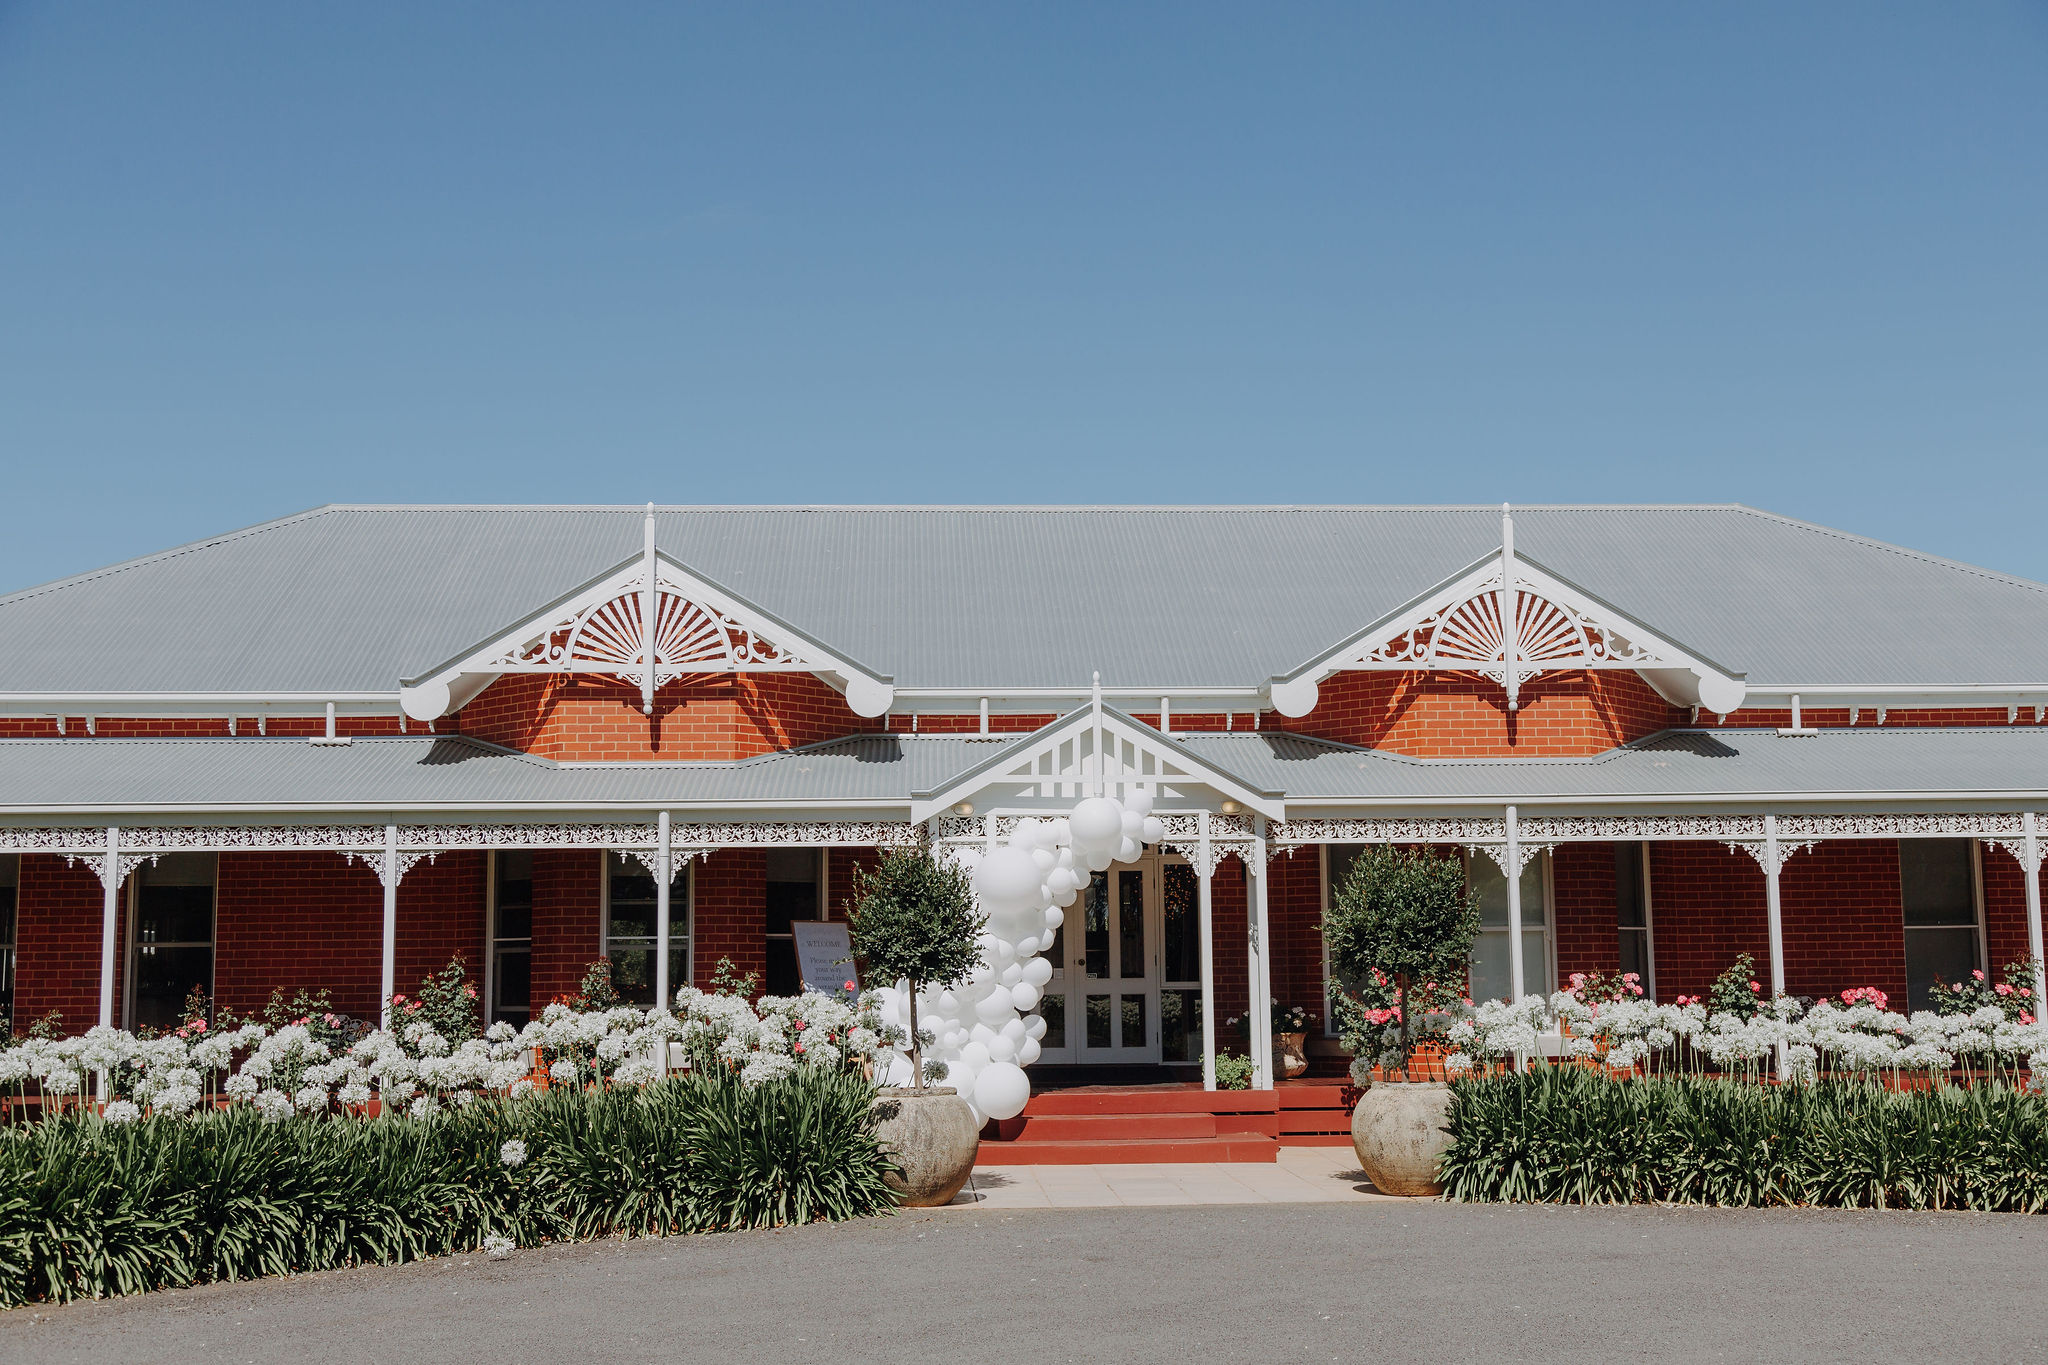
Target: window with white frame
column 1492, row 977
column 1632, row 915
column 1941, row 894
column 796, row 890
column 1337, row 862
column 511, row 937
column 629, row 937
column 10, row 882
column 170, row 937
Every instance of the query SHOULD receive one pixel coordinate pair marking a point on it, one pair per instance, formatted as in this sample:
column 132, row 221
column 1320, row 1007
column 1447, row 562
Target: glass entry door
column 1102, row 1004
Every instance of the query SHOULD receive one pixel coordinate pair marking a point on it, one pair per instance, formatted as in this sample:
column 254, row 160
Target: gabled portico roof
column 1091, row 751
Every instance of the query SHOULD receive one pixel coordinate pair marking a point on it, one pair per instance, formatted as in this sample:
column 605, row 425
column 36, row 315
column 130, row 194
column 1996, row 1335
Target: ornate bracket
column 1525, row 852
column 1761, row 851
column 407, row 859
column 650, row 858
column 126, row 863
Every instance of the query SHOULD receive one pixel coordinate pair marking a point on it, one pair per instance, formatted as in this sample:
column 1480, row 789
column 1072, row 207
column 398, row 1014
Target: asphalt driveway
column 1380, row 1281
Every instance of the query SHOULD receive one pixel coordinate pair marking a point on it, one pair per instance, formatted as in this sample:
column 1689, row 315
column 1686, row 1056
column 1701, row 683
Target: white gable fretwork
column 1510, row 619
column 1091, row 751
column 647, row 622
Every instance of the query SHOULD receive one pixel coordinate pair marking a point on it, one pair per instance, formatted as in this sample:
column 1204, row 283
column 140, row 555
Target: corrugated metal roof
column 1711, row 765
column 353, row 598
column 40, row 778
column 453, row 771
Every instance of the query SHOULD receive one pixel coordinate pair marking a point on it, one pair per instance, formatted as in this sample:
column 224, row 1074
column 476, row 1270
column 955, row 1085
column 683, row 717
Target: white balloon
column 1034, row 1027
column 1008, row 880
column 1038, row 971
column 1011, row 975
column 1016, row 1030
column 1043, row 857
column 1129, row 851
column 995, row 1009
column 1002, row 1090
column 1063, row 900
column 1024, row 996
column 1028, row 1051
column 1155, row 829
column 1099, row 859
column 1139, row 801
column 1096, row 821
column 1002, row 1050
column 1062, row 830
column 1055, row 917
column 1133, row 825
column 975, row 1056
column 898, row 1072
column 1025, row 835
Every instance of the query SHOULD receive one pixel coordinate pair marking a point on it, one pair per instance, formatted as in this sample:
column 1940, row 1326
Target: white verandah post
column 1205, row 866
column 110, row 908
column 388, row 970
column 664, row 867
column 2030, row 865
column 1261, row 965
column 1773, row 907
column 1517, row 980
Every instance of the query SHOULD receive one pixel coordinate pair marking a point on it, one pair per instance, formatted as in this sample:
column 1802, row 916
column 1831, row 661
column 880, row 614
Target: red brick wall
column 1708, row 905
column 301, row 920
column 1583, row 921
column 839, row 877
column 712, row 718
column 2005, row 910
column 1462, row 715
column 567, row 934
column 57, row 944
column 315, row 921
column 1844, row 925
column 1294, row 917
column 732, row 912
column 1229, row 906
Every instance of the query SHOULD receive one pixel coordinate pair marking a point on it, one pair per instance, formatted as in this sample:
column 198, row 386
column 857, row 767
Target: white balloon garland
column 984, row 1029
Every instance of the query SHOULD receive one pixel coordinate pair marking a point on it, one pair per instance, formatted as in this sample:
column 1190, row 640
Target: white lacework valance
column 89, row 842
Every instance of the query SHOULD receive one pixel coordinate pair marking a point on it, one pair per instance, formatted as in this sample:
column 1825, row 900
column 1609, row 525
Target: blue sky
column 257, row 257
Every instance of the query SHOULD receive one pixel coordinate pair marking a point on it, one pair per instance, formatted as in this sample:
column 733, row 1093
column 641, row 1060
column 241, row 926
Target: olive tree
column 1403, row 917
column 914, row 917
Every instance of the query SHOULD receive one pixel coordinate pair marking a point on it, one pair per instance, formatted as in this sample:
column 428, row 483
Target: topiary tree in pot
column 1402, row 922
column 915, row 918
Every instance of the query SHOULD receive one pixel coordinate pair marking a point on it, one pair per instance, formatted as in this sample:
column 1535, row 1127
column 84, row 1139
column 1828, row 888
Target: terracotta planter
column 932, row 1137
column 1289, row 1057
column 1398, row 1132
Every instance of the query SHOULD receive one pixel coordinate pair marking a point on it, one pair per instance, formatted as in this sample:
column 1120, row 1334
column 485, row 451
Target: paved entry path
column 1303, row 1175
column 1325, row 1280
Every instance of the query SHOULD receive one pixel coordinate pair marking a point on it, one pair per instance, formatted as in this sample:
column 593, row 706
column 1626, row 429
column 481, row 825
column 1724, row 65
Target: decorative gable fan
column 1510, row 619
column 647, row 622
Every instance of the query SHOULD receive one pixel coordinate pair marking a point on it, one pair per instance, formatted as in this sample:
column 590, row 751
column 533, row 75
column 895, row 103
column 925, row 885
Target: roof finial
column 1507, row 532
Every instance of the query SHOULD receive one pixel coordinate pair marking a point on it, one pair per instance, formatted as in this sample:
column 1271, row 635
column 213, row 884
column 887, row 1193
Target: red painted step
column 1152, row 1099
column 1109, row 1127
column 1237, row 1147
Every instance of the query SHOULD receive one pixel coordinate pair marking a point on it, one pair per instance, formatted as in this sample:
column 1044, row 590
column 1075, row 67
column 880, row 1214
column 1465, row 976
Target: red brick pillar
column 567, row 938
column 57, row 944
column 730, row 906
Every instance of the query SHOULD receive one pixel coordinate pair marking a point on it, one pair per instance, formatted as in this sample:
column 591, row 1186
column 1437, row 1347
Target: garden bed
column 1574, row 1135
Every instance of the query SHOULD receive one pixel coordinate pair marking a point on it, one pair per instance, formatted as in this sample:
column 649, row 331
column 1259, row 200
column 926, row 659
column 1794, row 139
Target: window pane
column 1484, row 876
column 512, row 985
column 1054, row 1010
column 1342, row 856
column 6, row 914
column 1130, row 923
column 514, row 895
column 632, row 903
column 1935, row 882
column 1491, row 968
column 1134, row 1020
column 792, row 887
column 163, row 978
column 1098, row 1021
column 1095, row 927
column 1628, row 886
column 1635, row 954
column 782, row 977
column 1182, row 923
column 1180, row 1026
column 1937, row 955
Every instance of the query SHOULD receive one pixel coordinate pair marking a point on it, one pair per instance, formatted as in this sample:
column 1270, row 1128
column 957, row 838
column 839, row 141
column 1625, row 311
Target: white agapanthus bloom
column 513, row 1153
column 121, row 1111
column 498, row 1246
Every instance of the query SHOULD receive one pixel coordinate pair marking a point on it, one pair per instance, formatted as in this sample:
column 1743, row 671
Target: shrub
column 90, row 1208
column 1403, row 918
column 1577, row 1136
column 1234, row 1072
column 914, row 917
